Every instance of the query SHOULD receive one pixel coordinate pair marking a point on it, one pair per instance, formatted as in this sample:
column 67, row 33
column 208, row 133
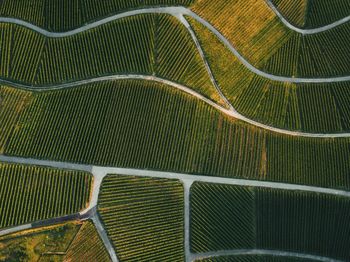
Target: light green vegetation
column 12, row 102
column 146, row 125
column 146, row 44
column 233, row 217
column 308, row 107
column 65, row 15
column 259, row 35
column 253, row 258
column 29, row 193
column 311, row 14
column 46, row 244
column 144, row 217
column 69, row 242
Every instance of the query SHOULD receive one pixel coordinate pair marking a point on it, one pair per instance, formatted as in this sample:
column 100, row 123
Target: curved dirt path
column 230, row 112
column 177, row 12
column 306, row 31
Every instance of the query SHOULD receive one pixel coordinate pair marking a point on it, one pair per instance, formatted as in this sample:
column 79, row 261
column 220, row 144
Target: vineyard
column 12, row 102
column 143, row 217
column 66, row 15
column 29, row 193
column 86, row 246
column 308, row 107
column 145, row 44
column 253, row 258
column 259, row 35
column 146, row 125
column 224, row 217
column 319, row 13
column 38, row 244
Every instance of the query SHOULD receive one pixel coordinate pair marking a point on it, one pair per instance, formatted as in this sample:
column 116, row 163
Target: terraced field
column 29, row 193
column 311, row 14
column 69, row 14
column 271, row 219
column 311, row 107
column 143, row 217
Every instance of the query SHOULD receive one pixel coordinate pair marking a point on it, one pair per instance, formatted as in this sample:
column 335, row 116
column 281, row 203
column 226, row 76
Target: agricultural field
column 141, row 45
column 253, row 258
column 41, row 244
column 66, row 15
column 12, row 102
column 309, row 107
column 312, row 14
column 155, row 127
column 30, row 193
column 268, row 219
column 72, row 241
column 143, row 217
column 266, row 43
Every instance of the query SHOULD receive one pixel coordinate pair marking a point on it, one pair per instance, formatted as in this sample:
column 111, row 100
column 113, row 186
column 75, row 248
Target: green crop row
column 29, row 193
column 87, row 246
column 144, row 217
column 311, row 14
column 259, row 35
column 225, row 217
column 12, row 102
column 147, row 125
column 146, row 44
column 254, row 258
column 307, row 107
column 63, row 15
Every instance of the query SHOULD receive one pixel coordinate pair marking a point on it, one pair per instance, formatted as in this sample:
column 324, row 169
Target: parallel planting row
column 225, row 217
column 307, row 107
column 29, row 193
column 143, row 217
column 259, row 35
column 66, row 15
column 253, row 258
column 312, row 14
column 148, row 44
column 147, row 125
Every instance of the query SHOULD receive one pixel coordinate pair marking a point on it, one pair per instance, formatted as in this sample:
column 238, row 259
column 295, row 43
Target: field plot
column 312, row 14
column 41, row 244
column 259, row 35
column 273, row 219
column 69, row 242
column 253, row 258
column 144, row 217
column 12, row 103
column 86, row 246
column 29, row 193
column 308, row 107
column 146, row 125
column 139, row 44
column 66, row 15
